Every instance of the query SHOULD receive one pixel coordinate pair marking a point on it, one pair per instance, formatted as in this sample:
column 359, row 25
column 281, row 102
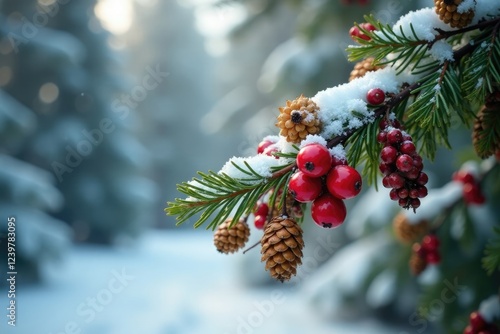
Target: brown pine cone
column 282, row 245
column 231, row 239
column 293, row 207
column 447, row 11
column 298, row 119
column 362, row 67
column 417, row 260
column 487, row 120
column 406, row 232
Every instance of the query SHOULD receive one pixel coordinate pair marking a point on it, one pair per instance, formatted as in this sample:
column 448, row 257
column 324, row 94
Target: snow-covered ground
column 170, row 282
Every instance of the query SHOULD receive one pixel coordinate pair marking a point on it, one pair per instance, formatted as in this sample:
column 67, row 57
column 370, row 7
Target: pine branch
column 491, row 259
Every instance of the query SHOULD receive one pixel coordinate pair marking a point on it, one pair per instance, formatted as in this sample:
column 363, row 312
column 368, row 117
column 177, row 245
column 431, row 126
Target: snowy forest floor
column 170, row 282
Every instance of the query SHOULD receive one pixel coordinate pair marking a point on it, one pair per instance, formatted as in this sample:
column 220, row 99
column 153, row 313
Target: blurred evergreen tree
column 57, row 62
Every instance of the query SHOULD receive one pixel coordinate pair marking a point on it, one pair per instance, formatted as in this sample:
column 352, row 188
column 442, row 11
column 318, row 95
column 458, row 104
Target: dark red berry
column 407, row 147
column 314, row 160
column 414, row 203
column 344, row 182
column 406, row 136
column 396, row 180
column 404, row 163
column 336, row 161
column 394, row 136
column 382, row 137
column 417, row 249
column 477, row 321
column 386, row 169
column 413, row 173
column 472, row 194
column 389, row 154
column 383, row 124
column 430, row 242
column 463, row 176
column 403, row 193
column 262, row 210
column 259, row 221
column 375, row 96
column 432, row 257
column 417, row 162
column 422, row 191
column 328, row 211
column 304, row 188
column 422, row 179
column 385, row 182
column 413, row 193
column 394, row 195
column 403, row 202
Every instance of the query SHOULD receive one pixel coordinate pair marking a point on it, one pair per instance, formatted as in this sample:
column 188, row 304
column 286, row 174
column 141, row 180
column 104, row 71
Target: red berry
column 477, row 322
column 304, row 188
column 404, row 163
column 328, row 211
column 382, row 137
column 263, row 145
column 386, row 169
column 407, row 147
column 314, row 160
column 472, row 194
column 375, row 96
column 338, row 161
column 414, row 203
column 417, row 248
column 469, row 330
column 262, row 210
column 259, row 221
column 422, row 179
column 422, row 191
column 430, row 242
column 383, row 124
column 403, row 202
column 367, row 26
column 355, row 32
column 417, row 162
column 432, row 257
column 413, row 193
column 463, row 176
column 403, row 193
column 344, row 182
column 271, row 151
column 394, row 195
column 413, row 173
column 389, row 154
column 396, row 180
column 394, row 136
column 385, row 182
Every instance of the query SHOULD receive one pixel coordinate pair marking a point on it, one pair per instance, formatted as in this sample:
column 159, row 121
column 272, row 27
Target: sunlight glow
column 115, row 15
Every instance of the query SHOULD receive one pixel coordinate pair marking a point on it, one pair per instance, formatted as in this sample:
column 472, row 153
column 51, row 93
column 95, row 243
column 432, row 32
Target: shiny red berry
column 407, row 147
column 344, row 182
column 389, row 154
column 422, row 179
column 404, row 163
column 263, row 145
column 396, row 180
column 414, row 203
column 375, row 96
column 262, row 210
column 304, row 188
column 336, row 161
column 394, row 195
column 271, row 151
column 382, row 137
column 422, row 191
column 314, row 160
column 477, row 322
column 394, row 136
column 386, row 169
column 328, row 211
column 403, row 193
column 259, row 221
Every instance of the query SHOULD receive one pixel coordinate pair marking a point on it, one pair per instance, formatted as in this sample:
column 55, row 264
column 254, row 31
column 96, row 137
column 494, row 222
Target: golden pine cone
column 282, row 245
column 487, row 120
column 447, row 11
column 362, row 67
column 231, row 239
column 298, row 119
column 417, row 261
column 406, row 232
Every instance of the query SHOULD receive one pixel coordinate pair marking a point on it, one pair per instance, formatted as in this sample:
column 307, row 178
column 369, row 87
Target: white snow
column 260, row 163
column 338, row 152
column 466, row 5
column 442, row 51
column 312, row 139
column 490, row 308
column 485, row 8
column 424, row 22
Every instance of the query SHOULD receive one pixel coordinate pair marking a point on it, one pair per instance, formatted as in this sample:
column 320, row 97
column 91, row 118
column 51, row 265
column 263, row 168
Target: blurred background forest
column 106, row 105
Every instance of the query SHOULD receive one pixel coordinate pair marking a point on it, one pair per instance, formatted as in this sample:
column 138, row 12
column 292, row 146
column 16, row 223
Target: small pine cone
column 282, row 245
column 417, row 264
column 406, row 232
column 487, row 120
column 448, row 13
column 290, row 204
column 362, row 67
column 231, row 239
column 298, row 119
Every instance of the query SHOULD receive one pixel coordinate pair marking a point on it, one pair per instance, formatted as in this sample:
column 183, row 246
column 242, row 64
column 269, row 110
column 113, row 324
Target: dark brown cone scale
column 231, row 239
column 282, row 245
column 448, row 13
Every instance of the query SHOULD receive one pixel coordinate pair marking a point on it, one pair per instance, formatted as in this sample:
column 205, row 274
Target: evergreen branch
column 491, row 259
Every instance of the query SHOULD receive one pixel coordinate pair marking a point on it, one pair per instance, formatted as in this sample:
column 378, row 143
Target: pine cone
column 298, row 119
column 485, row 133
column 362, row 67
column 406, row 232
column 418, row 263
column 282, row 247
column 293, row 207
column 447, row 11
column 231, row 239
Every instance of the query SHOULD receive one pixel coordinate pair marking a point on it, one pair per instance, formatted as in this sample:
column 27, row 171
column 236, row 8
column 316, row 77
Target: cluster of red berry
column 478, row 325
column 317, row 170
column 401, row 166
column 472, row 193
column 355, row 32
column 428, row 249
